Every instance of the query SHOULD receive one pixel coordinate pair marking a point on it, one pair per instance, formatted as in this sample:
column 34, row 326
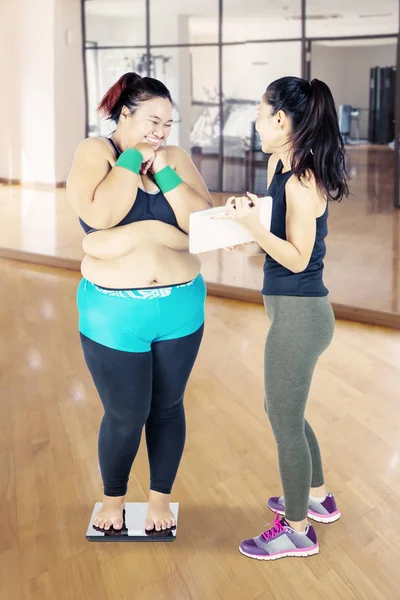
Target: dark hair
column 130, row 90
column 317, row 144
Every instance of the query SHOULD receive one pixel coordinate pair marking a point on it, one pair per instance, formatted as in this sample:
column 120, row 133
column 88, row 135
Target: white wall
column 247, row 70
column 115, row 31
column 346, row 70
column 68, row 94
column 37, row 73
column 43, row 109
column 10, row 166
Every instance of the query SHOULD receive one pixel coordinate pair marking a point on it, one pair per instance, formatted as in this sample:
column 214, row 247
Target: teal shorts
column 131, row 320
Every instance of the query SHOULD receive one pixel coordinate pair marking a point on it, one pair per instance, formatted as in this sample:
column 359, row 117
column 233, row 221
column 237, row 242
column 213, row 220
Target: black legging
column 139, row 389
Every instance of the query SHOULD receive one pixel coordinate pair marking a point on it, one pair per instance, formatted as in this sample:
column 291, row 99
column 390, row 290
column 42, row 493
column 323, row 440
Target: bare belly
column 148, row 265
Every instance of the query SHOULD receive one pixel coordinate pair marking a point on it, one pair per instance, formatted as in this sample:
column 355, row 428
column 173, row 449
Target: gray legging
column 301, row 330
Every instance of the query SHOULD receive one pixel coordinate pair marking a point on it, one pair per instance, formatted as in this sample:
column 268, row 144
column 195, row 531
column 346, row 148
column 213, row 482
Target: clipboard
column 207, row 234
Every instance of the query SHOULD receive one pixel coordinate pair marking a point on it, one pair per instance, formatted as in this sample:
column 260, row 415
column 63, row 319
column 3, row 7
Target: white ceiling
column 347, row 17
column 316, row 9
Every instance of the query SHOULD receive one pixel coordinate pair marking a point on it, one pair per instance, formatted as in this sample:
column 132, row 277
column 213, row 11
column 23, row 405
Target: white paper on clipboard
column 207, row 234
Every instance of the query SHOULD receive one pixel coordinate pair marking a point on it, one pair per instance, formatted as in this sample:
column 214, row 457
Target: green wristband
column 167, row 179
column 131, row 159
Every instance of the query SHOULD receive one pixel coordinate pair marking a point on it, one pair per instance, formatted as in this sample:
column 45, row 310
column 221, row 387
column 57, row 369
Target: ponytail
column 130, row 90
column 316, row 141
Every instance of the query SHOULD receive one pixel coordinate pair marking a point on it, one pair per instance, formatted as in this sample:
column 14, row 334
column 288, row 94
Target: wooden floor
column 362, row 269
column 49, row 476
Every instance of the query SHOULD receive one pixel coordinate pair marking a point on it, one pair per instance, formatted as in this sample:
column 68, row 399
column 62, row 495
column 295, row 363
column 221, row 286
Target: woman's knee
column 274, row 409
column 158, row 412
column 285, row 423
column 125, row 423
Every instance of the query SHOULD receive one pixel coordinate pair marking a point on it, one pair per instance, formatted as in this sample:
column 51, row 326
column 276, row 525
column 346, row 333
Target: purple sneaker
column 322, row 512
column 280, row 541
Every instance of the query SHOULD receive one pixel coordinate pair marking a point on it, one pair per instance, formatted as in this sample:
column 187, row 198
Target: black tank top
column 279, row 281
column 147, row 207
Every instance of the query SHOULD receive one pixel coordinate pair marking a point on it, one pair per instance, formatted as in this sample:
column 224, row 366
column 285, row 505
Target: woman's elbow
column 207, row 198
column 299, row 267
column 97, row 221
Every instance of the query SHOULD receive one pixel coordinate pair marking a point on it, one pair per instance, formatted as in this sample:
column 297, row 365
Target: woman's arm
column 190, row 196
column 294, row 253
column 101, row 195
column 251, row 249
column 120, row 241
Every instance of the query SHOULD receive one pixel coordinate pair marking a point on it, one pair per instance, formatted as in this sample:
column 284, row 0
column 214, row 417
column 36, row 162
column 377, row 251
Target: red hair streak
column 111, row 98
column 130, row 90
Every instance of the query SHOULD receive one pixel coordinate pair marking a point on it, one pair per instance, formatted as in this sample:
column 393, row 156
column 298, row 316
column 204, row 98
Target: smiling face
column 151, row 122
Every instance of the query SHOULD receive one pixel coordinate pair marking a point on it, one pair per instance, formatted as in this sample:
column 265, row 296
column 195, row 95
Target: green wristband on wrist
column 167, row 179
column 131, row 159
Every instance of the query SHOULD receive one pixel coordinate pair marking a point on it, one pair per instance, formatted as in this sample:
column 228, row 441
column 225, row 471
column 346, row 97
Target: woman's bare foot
column 159, row 514
column 110, row 513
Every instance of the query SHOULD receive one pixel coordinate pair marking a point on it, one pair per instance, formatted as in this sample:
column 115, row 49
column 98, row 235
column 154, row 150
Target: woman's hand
column 239, row 248
column 160, row 161
column 249, row 249
column 156, row 163
column 148, row 154
column 245, row 210
column 146, row 150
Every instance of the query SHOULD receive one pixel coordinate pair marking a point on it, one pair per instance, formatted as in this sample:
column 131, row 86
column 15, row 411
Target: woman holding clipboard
column 297, row 123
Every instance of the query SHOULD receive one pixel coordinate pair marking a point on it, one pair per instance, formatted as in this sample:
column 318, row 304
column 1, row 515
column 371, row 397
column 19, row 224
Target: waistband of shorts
column 147, row 293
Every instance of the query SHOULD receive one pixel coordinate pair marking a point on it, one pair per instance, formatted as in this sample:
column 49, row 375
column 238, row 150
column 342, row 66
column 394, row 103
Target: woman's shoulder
column 98, row 146
column 178, row 157
column 175, row 151
column 305, row 182
column 304, row 186
column 305, row 190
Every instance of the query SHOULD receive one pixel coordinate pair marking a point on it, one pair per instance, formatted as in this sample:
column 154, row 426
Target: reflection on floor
column 362, row 266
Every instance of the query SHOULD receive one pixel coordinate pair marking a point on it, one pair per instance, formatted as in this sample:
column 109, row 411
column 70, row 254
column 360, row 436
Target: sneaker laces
column 275, row 528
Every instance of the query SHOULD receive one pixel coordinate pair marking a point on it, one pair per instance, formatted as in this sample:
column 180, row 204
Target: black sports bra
column 147, row 206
